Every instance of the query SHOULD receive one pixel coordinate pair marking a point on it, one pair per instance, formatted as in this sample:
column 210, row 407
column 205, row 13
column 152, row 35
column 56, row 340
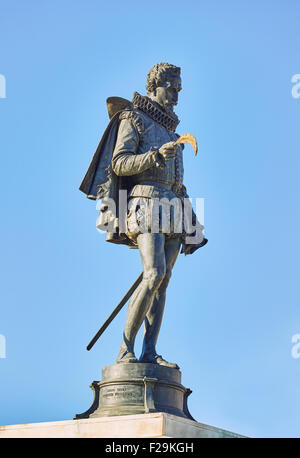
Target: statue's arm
column 125, row 160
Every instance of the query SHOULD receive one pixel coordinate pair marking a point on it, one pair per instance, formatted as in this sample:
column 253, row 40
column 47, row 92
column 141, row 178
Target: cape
column 96, row 182
column 100, row 180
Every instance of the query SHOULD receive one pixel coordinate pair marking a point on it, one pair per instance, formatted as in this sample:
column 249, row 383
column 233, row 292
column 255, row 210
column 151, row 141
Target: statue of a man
column 138, row 154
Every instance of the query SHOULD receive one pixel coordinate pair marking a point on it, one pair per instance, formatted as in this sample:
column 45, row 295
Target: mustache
column 172, row 102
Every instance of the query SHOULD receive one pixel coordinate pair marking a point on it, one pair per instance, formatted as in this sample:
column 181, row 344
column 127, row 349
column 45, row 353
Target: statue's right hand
column 168, row 151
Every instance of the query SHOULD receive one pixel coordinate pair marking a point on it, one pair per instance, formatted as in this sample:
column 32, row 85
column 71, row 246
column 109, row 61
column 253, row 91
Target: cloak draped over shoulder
column 97, row 180
column 100, row 181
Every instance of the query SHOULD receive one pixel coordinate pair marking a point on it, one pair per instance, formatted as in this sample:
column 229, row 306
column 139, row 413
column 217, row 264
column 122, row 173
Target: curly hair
column 158, row 75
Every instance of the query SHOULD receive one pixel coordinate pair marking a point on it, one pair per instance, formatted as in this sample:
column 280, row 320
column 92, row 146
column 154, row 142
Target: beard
column 169, row 107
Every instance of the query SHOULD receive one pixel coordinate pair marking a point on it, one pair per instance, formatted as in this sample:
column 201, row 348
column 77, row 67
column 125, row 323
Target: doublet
column 136, row 156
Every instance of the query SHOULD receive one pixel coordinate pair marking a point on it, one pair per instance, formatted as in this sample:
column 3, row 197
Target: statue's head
column 163, row 84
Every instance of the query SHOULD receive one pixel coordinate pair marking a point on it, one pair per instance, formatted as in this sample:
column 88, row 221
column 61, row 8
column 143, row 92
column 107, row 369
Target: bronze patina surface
column 141, row 153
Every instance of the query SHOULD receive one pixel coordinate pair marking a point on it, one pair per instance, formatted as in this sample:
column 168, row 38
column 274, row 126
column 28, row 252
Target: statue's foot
column 126, row 357
column 157, row 359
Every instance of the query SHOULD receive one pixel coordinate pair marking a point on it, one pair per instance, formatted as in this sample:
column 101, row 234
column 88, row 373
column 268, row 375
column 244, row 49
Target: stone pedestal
column 138, row 388
column 135, row 400
column 151, row 425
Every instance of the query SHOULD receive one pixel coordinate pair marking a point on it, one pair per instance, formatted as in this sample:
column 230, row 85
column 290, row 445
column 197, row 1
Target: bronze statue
column 141, row 153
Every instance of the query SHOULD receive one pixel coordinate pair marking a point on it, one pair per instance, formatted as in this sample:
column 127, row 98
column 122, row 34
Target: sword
column 115, row 312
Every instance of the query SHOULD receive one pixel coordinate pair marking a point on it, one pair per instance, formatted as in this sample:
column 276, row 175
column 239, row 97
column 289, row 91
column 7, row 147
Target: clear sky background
column 233, row 306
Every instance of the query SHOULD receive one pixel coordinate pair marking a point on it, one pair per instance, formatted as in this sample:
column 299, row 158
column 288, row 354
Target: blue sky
column 233, row 306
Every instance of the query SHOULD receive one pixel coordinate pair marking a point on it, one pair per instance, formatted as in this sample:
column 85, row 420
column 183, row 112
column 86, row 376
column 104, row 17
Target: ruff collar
column 145, row 104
